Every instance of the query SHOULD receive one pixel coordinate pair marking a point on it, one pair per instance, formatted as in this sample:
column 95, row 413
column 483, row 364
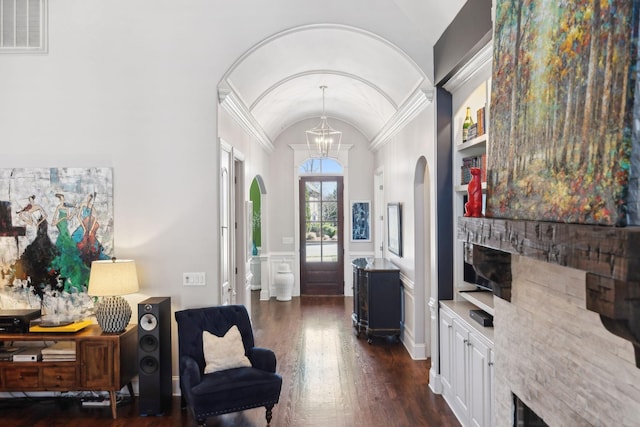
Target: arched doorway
column 367, row 94
column 423, row 251
column 259, row 258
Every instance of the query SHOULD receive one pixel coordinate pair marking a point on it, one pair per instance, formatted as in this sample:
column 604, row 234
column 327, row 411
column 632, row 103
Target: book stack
column 61, row 351
column 480, row 118
column 467, row 164
column 472, row 132
column 473, row 162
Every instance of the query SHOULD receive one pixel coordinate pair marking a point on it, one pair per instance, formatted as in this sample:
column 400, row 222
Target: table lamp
column 109, row 279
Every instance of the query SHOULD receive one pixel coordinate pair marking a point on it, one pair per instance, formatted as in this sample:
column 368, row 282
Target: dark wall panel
column 470, row 30
column 445, row 194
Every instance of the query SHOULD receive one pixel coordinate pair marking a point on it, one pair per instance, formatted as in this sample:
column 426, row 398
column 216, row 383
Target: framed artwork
column 394, row 224
column 53, row 223
column 562, row 112
column 360, row 221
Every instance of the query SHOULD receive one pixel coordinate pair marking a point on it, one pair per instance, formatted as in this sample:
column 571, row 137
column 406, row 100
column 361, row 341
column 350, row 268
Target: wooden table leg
column 112, row 397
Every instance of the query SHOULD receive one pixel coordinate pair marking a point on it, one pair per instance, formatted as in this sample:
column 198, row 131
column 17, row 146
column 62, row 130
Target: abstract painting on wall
column 360, row 221
column 53, row 223
column 562, row 110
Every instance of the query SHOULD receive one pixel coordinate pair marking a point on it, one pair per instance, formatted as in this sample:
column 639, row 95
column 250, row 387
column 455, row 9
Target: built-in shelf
column 462, row 309
column 479, row 142
column 463, row 188
column 481, row 299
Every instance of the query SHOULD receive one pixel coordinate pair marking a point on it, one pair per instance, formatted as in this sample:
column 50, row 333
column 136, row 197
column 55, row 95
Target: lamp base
column 113, row 314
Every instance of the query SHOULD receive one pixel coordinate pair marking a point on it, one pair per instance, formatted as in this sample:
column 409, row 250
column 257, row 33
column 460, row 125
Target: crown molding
column 233, row 105
column 476, row 64
column 417, row 102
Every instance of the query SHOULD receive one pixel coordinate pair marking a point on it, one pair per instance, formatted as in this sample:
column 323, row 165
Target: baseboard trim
column 434, row 381
column 416, row 351
column 175, row 386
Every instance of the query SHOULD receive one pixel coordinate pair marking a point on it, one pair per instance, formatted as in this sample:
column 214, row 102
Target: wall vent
column 23, row 26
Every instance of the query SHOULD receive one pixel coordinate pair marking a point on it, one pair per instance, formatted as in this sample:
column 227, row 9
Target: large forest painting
column 564, row 75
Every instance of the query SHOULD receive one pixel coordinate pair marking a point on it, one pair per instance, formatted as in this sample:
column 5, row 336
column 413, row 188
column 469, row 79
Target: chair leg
column 269, row 414
column 183, row 402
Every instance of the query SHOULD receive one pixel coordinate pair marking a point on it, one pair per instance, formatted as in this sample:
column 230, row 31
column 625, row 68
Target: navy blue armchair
column 229, row 390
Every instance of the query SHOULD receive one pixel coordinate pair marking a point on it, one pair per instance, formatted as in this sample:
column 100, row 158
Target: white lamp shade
column 113, row 277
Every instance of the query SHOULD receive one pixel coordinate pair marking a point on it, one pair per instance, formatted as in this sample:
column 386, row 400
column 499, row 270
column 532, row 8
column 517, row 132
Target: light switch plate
column 194, row 279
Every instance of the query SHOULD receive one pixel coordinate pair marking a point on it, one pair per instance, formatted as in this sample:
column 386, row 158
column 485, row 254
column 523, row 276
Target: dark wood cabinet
column 104, row 362
column 376, row 298
column 97, row 364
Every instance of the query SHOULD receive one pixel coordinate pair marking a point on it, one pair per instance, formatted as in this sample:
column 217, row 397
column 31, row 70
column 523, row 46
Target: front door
column 321, row 236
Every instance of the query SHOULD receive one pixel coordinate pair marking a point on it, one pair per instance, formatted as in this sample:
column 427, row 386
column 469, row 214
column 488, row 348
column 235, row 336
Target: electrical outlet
column 193, row 279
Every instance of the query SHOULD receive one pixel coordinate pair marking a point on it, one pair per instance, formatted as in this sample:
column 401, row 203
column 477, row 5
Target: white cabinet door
column 466, row 368
column 446, row 353
column 492, row 390
column 460, row 369
column 479, row 382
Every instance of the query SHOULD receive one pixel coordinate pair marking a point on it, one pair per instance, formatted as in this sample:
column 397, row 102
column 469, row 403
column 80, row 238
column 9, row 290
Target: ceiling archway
column 371, row 84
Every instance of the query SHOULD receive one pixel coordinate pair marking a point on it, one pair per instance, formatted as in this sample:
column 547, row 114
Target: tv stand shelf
column 480, row 298
column 104, row 362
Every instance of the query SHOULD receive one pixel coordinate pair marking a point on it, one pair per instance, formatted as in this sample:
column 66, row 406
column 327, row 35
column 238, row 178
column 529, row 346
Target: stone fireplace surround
column 557, row 356
column 551, row 347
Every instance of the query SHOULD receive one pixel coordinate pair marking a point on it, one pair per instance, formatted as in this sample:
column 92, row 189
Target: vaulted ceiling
column 371, row 84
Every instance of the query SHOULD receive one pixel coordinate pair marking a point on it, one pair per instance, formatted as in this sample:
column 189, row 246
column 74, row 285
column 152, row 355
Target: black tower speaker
column 154, row 356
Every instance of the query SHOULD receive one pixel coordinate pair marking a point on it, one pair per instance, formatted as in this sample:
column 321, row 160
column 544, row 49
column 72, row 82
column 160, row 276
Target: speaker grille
column 149, row 365
column 148, row 343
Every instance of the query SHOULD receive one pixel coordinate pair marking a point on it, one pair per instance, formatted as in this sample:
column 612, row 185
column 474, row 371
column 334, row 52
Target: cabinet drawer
column 59, row 376
column 21, row 376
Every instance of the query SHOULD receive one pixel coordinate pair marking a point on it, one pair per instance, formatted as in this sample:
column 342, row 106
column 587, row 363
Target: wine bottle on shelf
column 466, row 125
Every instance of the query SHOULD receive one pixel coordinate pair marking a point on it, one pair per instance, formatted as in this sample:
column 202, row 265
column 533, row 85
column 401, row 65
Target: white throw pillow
column 225, row 352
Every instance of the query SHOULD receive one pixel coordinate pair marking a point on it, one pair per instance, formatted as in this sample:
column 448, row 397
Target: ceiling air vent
column 23, row 26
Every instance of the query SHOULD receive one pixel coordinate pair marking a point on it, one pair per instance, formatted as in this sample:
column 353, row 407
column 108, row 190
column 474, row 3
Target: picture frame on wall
column 394, row 228
column 360, row 221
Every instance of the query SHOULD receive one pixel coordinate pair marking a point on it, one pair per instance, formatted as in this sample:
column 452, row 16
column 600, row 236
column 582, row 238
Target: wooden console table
column 104, row 362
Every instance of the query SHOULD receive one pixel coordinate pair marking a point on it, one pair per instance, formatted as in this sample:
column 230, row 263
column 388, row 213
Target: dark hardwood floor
column 330, row 378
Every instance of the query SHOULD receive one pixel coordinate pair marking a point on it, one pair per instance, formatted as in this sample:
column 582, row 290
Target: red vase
column 473, row 207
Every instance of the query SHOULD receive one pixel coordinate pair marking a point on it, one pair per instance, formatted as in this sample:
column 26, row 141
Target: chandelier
column 322, row 140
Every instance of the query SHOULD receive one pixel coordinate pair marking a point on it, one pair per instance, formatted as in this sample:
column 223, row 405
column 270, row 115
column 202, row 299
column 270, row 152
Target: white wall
column 398, row 159
column 132, row 86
